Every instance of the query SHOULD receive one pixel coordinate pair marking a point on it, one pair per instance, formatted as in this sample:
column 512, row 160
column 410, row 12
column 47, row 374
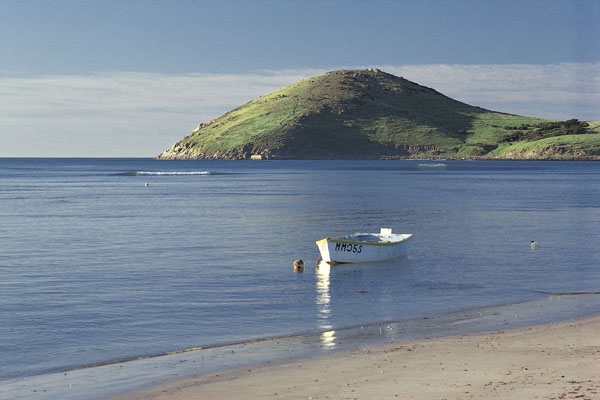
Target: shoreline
column 148, row 377
column 550, row 361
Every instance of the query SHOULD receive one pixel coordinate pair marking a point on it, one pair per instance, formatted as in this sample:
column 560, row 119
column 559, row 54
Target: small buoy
column 534, row 244
column 298, row 265
column 146, row 184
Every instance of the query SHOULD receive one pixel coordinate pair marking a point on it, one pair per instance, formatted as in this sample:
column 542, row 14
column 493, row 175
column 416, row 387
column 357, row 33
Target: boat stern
column 323, row 246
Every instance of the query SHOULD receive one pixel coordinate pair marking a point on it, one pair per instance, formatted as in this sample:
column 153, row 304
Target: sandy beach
column 554, row 361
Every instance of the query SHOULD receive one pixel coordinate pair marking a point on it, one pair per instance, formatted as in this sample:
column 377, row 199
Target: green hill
column 370, row 114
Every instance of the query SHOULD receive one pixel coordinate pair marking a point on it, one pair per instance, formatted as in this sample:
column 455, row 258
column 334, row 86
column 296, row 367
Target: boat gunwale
column 368, row 242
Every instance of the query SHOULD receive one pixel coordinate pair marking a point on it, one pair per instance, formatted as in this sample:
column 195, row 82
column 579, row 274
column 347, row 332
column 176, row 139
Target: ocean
column 109, row 267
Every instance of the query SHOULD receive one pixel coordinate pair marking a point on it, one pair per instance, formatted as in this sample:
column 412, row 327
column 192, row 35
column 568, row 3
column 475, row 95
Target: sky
column 129, row 78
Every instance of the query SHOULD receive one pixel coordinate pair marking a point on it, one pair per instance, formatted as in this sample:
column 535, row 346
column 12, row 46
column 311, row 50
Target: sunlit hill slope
column 370, row 114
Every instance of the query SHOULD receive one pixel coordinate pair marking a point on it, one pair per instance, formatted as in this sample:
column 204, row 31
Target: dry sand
column 555, row 361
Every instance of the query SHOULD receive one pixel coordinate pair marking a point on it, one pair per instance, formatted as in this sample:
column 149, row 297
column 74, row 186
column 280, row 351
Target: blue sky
column 130, row 77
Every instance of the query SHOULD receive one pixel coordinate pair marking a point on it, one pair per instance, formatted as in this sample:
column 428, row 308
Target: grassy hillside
column 352, row 114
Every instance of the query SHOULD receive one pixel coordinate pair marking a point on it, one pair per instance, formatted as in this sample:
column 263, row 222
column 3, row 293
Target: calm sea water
column 110, row 259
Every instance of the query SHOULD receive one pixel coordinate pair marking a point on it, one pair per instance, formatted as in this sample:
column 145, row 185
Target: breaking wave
column 166, row 173
column 431, row 166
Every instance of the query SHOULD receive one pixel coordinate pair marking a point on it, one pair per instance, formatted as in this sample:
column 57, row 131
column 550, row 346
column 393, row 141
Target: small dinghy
column 364, row 247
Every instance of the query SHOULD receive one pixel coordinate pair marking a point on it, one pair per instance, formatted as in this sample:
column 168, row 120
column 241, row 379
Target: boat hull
column 340, row 250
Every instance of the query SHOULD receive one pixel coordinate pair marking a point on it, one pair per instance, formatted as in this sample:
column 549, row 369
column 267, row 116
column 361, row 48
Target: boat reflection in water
column 323, row 302
column 349, row 289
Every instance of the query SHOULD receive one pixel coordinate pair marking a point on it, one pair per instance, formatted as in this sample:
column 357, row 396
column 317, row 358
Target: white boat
column 364, row 247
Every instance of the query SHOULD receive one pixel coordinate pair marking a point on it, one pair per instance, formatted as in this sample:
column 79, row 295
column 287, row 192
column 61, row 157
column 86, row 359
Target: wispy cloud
column 119, row 114
column 141, row 114
column 559, row 91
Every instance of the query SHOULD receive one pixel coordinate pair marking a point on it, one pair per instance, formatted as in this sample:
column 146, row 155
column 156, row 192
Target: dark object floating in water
column 298, row 265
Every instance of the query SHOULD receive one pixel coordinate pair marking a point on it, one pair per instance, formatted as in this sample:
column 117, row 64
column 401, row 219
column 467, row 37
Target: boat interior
column 362, row 237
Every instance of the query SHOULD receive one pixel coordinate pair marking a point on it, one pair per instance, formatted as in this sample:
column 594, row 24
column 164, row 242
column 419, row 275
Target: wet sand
column 552, row 361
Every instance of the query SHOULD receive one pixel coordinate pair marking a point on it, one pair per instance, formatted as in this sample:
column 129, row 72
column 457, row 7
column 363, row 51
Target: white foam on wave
column 173, row 173
column 432, row 165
